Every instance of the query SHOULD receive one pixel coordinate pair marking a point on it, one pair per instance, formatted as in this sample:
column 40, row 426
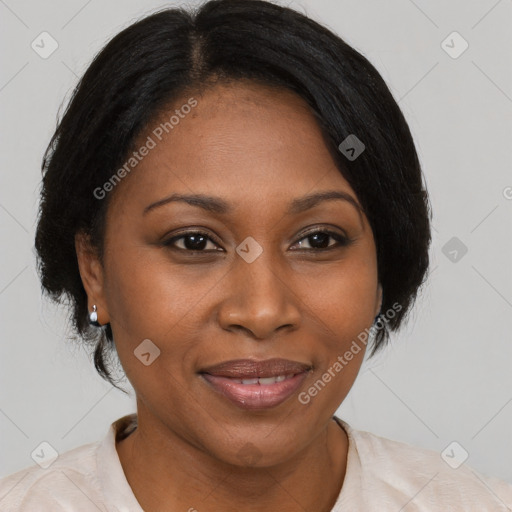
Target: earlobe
column 92, row 275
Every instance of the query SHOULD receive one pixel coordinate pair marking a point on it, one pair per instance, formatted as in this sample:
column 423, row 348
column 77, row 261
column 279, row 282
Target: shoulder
column 71, row 480
column 405, row 474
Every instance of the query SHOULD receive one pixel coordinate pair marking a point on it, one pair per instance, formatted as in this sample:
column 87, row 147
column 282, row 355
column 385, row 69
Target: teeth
column 249, row 381
column 264, row 381
column 268, row 380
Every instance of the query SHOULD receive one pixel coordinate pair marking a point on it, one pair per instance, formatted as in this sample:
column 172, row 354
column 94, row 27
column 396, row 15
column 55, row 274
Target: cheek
column 343, row 306
column 345, row 295
column 340, row 311
column 150, row 298
column 148, row 294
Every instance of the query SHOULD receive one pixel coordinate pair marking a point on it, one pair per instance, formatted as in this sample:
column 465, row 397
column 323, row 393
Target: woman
column 234, row 204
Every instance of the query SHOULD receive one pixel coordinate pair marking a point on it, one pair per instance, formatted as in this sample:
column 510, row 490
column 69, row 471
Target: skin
column 258, row 149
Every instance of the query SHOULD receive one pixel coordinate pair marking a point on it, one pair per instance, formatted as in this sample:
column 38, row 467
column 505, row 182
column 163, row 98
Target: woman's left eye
column 319, row 240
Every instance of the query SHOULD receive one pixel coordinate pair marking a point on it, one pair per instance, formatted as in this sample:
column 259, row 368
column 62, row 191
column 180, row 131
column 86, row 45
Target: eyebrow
column 218, row 205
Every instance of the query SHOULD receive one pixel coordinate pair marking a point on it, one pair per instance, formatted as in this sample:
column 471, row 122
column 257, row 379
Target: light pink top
column 382, row 475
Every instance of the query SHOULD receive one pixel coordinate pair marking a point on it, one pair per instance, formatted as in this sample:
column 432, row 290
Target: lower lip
column 255, row 396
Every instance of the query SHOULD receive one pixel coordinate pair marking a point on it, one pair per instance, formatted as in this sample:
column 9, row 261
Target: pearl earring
column 93, row 316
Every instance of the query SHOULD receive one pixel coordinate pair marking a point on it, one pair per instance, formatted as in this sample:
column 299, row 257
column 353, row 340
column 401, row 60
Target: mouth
column 254, row 385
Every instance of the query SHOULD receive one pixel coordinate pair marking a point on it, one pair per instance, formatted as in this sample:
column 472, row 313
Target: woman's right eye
column 192, row 241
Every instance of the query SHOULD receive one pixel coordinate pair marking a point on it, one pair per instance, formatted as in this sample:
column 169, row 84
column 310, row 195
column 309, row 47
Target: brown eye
column 195, row 241
column 319, row 240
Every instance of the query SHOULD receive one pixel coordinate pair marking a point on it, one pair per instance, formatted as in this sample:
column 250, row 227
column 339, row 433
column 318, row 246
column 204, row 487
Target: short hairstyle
column 155, row 61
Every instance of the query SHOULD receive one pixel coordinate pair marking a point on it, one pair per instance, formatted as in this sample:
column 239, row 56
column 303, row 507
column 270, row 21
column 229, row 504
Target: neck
column 168, row 473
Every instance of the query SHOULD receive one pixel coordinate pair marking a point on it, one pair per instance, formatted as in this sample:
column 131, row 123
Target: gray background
column 446, row 375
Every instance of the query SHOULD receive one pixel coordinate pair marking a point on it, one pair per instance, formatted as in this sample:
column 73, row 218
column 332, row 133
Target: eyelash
column 341, row 240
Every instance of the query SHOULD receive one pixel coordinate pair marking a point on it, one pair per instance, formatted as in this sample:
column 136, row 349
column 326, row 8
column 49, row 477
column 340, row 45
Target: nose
column 259, row 300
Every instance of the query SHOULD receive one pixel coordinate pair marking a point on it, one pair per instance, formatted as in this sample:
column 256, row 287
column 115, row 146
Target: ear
column 92, row 275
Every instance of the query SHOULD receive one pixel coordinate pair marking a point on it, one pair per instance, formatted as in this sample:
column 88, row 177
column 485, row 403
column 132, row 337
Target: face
column 249, row 271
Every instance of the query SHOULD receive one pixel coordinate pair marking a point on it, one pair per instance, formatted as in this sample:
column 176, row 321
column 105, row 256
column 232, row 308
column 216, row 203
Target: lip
column 250, row 368
column 225, row 378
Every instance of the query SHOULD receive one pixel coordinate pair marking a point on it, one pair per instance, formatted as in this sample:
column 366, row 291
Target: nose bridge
column 260, row 276
column 260, row 300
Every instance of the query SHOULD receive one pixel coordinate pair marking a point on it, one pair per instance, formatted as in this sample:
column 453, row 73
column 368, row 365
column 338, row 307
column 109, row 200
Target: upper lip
column 249, row 368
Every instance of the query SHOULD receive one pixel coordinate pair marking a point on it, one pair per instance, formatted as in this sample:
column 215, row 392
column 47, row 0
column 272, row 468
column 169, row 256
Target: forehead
column 242, row 141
